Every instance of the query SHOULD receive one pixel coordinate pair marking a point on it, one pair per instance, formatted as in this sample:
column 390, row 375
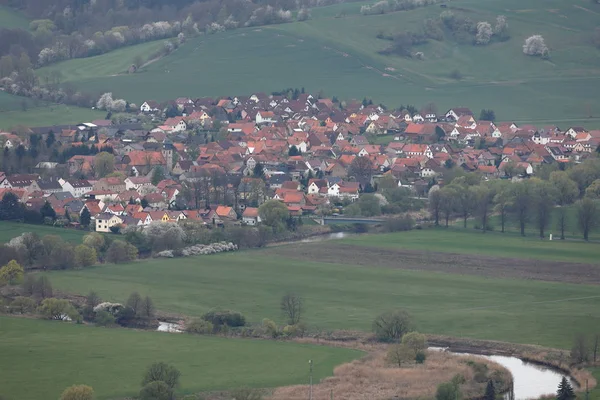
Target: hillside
column 337, row 52
column 11, row 19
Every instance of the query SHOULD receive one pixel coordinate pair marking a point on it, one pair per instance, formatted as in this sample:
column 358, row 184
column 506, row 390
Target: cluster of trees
column 462, row 28
column 385, row 6
column 410, row 350
column 541, row 201
column 137, row 312
column 52, row 252
column 49, row 252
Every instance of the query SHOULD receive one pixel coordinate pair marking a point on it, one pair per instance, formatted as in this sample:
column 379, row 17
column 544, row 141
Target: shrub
column 199, row 326
column 392, row 325
column 22, row 305
column 163, row 372
column 270, row 328
column 447, row 391
column 57, row 309
column 420, row 357
column 225, row 317
column 104, row 318
column 156, row 390
column 247, row 394
column 78, row 392
column 405, row 223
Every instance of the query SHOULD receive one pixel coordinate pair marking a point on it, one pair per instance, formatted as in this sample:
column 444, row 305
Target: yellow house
column 105, row 221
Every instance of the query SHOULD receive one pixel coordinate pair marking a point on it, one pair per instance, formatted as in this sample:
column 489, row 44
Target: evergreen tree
column 10, row 208
column 85, row 217
column 490, row 391
column 48, row 211
column 67, row 215
column 565, row 390
column 259, row 171
column 293, row 151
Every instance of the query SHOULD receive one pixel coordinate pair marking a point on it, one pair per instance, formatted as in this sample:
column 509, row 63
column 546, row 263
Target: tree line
column 557, row 198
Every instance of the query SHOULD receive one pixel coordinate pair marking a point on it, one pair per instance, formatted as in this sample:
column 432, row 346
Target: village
column 217, row 160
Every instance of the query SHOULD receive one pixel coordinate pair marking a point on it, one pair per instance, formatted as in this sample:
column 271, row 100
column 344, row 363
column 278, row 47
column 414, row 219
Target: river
column 530, row 380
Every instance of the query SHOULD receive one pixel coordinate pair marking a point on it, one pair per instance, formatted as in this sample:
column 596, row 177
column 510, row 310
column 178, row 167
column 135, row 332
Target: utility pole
column 310, row 364
column 587, row 392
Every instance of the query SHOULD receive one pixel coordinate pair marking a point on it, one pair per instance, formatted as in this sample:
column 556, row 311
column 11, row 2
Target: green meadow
column 9, row 230
column 41, row 358
column 347, row 296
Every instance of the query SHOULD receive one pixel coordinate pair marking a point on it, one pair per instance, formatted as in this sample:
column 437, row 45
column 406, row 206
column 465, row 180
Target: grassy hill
column 41, row 358
column 348, row 294
column 16, row 110
column 9, row 230
column 337, row 51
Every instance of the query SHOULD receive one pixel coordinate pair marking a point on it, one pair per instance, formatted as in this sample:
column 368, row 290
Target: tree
column 259, row 171
column 487, row 115
column 104, row 164
column 399, row 354
column 484, row 196
column 120, row 252
column 490, row 391
column 56, row 309
column 135, row 302
column 392, row 325
column 415, row 342
column 562, row 213
column 448, row 202
column 92, row 299
column 156, row 390
column 520, row 203
column 22, row 305
column 147, row 309
column 588, row 214
column 78, row 392
column 501, row 28
column 163, row 372
column 484, row 34
column 580, row 351
column 566, row 188
column 465, row 198
column 292, row 306
column 10, row 208
column 85, row 256
column 543, row 197
column 158, row 174
column 565, row 390
column 435, row 205
column 95, row 241
column 535, row 46
column 361, row 168
column 47, row 211
column 447, row 391
column 502, row 203
column 293, row 151
column 593, row 191
column 42, row 288
column 439, row 133
column 11, row 273
column 274, row 213
column 85, row 218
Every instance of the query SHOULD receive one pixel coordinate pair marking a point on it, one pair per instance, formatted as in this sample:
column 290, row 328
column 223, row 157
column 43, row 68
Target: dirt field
column 552, row 271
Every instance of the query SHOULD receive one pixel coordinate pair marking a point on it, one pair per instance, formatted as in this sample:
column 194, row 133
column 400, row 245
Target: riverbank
column 553, row 358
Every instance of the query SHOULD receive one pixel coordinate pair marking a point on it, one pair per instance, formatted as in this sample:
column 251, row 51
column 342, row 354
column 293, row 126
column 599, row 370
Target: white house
column 149, row 107
column 251, row 216
column 138, row 183
column 105, row 221
column 176, row 124
column 76, row 187
column 265, row 117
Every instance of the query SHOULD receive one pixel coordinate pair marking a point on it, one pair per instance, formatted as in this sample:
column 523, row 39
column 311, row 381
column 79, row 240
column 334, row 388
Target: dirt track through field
column 466, row 264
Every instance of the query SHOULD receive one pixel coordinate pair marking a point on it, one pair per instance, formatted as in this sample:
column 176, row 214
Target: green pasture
column 41, row 358
column 9, row 230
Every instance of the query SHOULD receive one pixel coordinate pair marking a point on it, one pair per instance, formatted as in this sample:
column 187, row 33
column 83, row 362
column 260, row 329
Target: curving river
column 531, row 381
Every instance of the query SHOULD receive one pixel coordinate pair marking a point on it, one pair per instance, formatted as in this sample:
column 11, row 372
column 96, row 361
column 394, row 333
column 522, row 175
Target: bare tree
column 435, row 204
column 580, row 351
column 596, row 345
column 392, row 325
column 587, row 215
column 292, row 306
column 361, row 168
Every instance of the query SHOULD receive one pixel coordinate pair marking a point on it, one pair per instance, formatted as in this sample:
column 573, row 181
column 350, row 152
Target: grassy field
column 11, row 19
column 16, row 110
column 346, row 296
column 470, row 241
column 339, row 55
column 41, row 358
column 9, row 230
